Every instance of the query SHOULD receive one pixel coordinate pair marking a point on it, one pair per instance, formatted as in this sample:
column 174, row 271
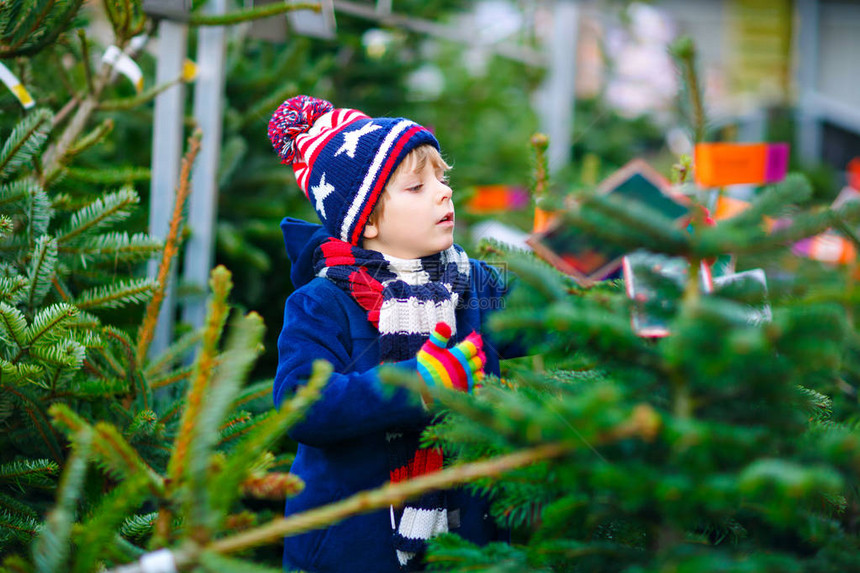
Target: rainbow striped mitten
column 459, row 367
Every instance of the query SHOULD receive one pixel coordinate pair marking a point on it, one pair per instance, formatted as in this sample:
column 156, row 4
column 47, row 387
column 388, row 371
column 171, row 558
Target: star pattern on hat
column 350, row 140
column 320, row 192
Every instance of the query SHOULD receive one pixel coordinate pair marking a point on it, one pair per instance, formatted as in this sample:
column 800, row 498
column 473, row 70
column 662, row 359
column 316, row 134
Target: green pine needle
column 65, row 354
column 50, row 324
column 24, row 142
column 117, row 295
column 15, row 193
column 13, row 325
column 51, row 549
column 42, row 268
column 39, row 211
column 13, row 289
column 18, row 528
column 32, row 472
column 137, row 528
column 104, row 211
column 114, row 248
column 114, row 176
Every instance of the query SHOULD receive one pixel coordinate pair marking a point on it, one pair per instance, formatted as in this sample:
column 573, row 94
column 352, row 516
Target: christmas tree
column 725, row 446
column 715, row 448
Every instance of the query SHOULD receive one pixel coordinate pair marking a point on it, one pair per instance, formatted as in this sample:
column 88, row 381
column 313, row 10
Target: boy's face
column 418, row 219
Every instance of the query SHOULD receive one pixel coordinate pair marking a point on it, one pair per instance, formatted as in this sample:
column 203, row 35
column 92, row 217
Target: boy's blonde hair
column 414, row 161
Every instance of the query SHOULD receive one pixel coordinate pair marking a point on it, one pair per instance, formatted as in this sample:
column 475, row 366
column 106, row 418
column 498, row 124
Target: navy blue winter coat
column 341, row 441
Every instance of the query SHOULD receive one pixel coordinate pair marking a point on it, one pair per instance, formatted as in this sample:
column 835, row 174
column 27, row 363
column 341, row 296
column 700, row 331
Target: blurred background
column 594, row 75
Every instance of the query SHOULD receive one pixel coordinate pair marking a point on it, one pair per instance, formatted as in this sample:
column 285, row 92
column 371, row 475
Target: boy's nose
column 445, row 192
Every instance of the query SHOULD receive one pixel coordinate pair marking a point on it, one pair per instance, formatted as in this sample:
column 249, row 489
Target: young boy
column 381, row 281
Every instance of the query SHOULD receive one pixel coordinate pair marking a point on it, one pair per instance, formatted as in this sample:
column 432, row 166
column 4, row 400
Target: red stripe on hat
column 381, row 179
column 333, row 131
column 340, row 118
column 301, row 170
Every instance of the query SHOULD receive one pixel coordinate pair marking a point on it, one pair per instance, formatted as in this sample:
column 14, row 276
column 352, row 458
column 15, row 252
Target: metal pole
column 203, row 204
column 808, row 116
column 558, row 94
column 166, row 159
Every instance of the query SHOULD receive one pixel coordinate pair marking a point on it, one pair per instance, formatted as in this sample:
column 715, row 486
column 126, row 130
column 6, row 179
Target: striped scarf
column 404, row 299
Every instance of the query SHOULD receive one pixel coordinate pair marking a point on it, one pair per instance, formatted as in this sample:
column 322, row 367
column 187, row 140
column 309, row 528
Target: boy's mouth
column 448, row 218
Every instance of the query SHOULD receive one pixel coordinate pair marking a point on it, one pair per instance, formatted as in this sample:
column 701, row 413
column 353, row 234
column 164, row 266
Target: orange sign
column 719, row 164
column 491, row 198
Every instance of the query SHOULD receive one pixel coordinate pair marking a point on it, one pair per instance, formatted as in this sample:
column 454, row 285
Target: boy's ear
column 371, row 231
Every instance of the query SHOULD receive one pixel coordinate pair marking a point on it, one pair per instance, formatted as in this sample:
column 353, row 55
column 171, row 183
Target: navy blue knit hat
column 342, row 158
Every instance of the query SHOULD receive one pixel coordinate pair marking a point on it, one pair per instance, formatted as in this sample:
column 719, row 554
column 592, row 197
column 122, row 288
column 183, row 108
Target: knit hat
column 342, row 158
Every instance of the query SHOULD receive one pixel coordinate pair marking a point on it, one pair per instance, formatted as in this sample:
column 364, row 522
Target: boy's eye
column 415, row 188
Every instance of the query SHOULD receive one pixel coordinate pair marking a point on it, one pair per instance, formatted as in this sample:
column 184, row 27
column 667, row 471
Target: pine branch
column 137, row 527
column 96, row 388
column 12, row 290
column 33, row 409
column 21, row 373
column 171, row 247
column 115, row 176
column 50, row 322
column 99, row 530
column 214, row 563
column 64, row 355
column 174, row 353
column 246, row 15
column 6, row 226
column 253, row 392
column 113, row 247
column 224, row 486
column 241, row 351
column 51, row 549
column 146, row 96
column 118, row 336
column 144, row 424
column 13, row 324
column 31, row 473
column 111, row 450
column 24, row 142
column 14, row 506
column 118, row 295
column 56, row 28
column 20, row 528
column 387, row 495
column 15, row 192
column 42, row 269
column 178, row 375
column 54, row 156
column 94, row 137
column 236, row 426
column 540, row 142
column 39, row 211
column 177, row 467
column 684, row 52
column 106, row 210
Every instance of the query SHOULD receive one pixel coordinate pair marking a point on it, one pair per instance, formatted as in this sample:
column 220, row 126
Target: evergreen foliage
column 727, row 446
column 713, row 449
column 80, row 421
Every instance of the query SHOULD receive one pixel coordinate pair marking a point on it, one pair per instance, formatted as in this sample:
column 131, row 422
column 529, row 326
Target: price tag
column 124, row 65
column 16, row 87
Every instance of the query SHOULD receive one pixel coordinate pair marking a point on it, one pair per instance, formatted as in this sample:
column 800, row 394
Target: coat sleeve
column 352, row 403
